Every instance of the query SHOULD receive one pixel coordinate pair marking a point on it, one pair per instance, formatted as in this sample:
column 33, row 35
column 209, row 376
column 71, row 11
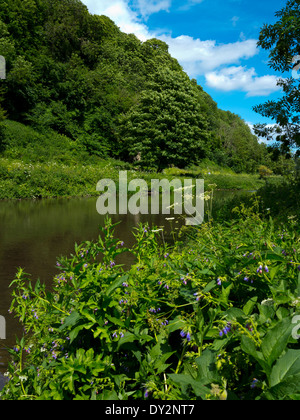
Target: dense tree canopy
column 282, row 39
column 78, row 74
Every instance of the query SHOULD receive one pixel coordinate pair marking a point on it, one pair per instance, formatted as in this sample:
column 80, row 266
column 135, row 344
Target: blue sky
column 215, row 41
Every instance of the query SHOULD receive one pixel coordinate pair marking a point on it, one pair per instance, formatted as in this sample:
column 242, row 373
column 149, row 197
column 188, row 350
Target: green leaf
column 276, row 340
column 71, row 320
column 207, row 371
column 249, row 347
column 209, row 286
column 285, row 375
column 249, row 306
column 186, row 380
column 117, row 283
column 128, row 338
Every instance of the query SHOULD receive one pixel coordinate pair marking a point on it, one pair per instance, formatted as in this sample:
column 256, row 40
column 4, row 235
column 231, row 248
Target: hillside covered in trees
column 72, row 75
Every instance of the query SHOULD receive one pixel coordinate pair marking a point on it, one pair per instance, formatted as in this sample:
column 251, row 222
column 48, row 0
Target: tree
column 283, row 41
column 166, row 126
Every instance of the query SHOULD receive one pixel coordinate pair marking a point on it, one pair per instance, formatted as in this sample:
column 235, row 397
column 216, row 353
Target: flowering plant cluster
column 210, row 318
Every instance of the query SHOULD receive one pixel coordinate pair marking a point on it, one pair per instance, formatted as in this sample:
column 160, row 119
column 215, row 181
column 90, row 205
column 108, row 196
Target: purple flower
column 146, row 395
column 112, row 264
column 182, row 334
column 188, row 337
column 266, row 269
column 254, row 383
column 246, row 278
column 166, row 255
column 125, row 284
column 259, row 270
column 219, row 282
column 166, row 286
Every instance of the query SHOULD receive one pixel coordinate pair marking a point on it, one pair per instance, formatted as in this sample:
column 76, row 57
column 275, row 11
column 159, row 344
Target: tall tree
column 166, row 127
column 282, row 39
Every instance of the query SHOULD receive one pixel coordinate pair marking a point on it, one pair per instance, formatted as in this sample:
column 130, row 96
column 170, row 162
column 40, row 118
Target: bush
column 211, row 319
column 264, row 171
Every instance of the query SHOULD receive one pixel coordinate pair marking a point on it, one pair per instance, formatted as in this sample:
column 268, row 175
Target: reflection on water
column 34, row 233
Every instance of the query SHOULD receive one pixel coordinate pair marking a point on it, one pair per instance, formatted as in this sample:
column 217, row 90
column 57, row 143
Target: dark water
column 34, row 233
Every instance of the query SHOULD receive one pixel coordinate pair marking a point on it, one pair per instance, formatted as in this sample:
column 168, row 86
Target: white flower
column 267, row 302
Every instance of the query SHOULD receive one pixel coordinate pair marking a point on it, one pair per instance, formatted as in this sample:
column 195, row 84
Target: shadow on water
column 34, row 233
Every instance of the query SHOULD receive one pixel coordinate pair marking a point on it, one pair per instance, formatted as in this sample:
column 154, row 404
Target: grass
column 40, row 165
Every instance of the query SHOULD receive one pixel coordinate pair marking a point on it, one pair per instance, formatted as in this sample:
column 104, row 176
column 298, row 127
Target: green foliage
column 212, row 318
column 264, row 171
column 282, row 39
column 77, row 73
column 166, row 126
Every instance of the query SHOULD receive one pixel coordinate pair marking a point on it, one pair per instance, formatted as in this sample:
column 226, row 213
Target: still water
column 33, row 233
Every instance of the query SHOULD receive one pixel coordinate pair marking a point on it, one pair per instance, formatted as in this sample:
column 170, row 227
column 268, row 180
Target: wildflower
column 121, row 334
column 85, row 265
column 259, row 270
column 225, row 330
column 122, row 243
column 188, row 337
column 254, row 383
column 266, row 269
column 112, row 264
column 115, row 335
column 182, row 334
column 246, row 278
column 166, row 286
column 219, row 282
column 166, row 255
column 146, row 395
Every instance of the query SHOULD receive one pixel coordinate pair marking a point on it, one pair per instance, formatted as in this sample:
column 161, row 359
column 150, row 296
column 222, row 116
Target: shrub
column 211, row 319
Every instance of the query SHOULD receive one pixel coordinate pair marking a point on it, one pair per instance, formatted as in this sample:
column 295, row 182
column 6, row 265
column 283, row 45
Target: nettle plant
column 211, row 318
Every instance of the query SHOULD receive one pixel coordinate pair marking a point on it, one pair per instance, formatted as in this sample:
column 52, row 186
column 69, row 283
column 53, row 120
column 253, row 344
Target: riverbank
column 40, row 165
column 52, row 179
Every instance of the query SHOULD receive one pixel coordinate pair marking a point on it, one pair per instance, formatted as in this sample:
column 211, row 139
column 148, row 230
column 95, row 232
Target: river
column 33, row 233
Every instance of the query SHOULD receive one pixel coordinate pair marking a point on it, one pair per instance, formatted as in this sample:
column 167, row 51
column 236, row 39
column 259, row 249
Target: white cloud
column 148, row 7
column 197, row 57
column 235, row 20
column 120, row 12
column 242, row 79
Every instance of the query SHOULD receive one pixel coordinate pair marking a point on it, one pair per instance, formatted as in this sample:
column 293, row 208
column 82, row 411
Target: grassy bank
column 34, row 165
